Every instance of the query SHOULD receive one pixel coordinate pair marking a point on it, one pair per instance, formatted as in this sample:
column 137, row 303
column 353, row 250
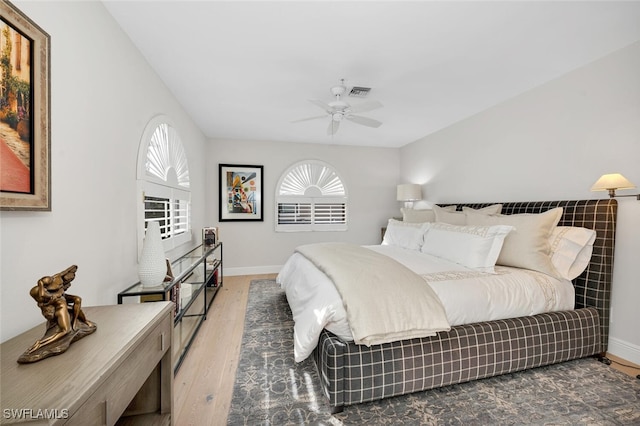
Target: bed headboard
column 593, row 287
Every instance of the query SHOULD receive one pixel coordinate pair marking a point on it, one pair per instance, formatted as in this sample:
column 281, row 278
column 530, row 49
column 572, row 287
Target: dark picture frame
column 25, row 128
column 241, row 193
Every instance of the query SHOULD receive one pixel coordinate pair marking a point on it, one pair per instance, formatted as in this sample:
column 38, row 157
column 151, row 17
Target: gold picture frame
column 25, row 104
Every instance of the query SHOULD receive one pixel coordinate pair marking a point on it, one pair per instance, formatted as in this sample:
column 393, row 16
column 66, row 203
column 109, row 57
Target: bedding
column 444, row 214
column 467, row 295
column 407, row 235
column 476, row 247
column 410, row 215
column 362, row 279
column 571, row 250
column 528, row 245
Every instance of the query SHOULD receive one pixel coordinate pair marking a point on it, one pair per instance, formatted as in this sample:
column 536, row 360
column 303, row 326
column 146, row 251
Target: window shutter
column 163, row 180
column 330, row 213
column 172, row 215
column 294, row 213
column 310, row 196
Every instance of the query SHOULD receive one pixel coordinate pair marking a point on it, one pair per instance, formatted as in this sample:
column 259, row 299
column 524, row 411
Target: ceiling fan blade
column 333, row 127
column 309, row 118
column 325, row 106
column 365, row 106
column 365, row 121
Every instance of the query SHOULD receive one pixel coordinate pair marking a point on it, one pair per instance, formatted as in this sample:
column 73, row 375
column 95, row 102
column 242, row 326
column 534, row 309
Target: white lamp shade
column 409, row 192
column 612, row 181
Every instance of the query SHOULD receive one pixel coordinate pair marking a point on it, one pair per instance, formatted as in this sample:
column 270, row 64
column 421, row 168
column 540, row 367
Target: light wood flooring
column 203, row 387
column 204, row 383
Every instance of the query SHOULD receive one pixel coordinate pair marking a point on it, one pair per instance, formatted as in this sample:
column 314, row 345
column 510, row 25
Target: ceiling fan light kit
column 339, row 110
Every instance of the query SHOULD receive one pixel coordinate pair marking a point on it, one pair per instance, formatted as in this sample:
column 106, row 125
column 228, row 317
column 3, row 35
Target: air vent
column 359, row 92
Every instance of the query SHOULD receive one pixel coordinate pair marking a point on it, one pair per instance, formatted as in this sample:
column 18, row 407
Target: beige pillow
column 421, row 216
column 492, row 209
column 459, row 218
column 527, row 246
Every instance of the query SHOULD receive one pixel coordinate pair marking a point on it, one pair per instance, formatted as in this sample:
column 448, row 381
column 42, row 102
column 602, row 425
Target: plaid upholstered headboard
column 593, row 287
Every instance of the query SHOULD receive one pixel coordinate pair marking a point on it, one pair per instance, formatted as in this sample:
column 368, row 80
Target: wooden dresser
column 122, row 373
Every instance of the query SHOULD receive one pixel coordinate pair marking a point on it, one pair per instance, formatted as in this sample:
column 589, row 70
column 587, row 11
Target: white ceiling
column 245, row 70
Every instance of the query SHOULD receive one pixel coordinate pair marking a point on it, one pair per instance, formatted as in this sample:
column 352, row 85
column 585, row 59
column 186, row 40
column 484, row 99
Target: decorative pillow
column 527, row 246
column 571, row 249
column 459, row 218
column 492, row 209
column 421, row 216
column 406, row 235
column 475, row 247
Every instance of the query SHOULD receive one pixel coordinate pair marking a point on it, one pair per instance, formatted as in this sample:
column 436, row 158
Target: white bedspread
column 468, row 296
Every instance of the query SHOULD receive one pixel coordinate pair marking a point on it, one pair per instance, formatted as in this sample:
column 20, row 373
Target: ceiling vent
column 359, row 92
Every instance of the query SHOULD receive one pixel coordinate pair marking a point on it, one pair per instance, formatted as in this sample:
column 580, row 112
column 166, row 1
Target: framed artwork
column 209, row 236
column 241, row 193
column 25, row 129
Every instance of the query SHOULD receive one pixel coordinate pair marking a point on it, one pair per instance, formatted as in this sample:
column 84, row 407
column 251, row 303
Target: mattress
column 468, row 296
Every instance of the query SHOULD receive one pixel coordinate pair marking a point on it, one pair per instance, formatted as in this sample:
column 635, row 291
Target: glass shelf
column 197, row 278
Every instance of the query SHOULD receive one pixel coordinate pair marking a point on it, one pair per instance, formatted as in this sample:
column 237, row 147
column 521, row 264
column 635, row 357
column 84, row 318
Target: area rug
column 272, row 389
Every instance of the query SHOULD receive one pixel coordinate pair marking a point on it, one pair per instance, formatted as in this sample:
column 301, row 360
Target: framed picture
column 241, row 193
column 209, row 236
column 25, row 131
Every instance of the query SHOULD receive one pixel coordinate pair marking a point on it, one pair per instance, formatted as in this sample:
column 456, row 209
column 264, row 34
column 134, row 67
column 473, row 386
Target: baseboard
column 624, row 350
column 252, row 270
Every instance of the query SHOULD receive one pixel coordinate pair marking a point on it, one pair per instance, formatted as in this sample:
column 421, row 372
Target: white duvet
column 468, row 296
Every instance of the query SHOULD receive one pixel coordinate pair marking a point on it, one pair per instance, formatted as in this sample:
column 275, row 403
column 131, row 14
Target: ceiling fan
column 339, row 110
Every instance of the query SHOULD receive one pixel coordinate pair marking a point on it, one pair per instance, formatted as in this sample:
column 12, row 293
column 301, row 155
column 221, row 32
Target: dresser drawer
column 109, row 401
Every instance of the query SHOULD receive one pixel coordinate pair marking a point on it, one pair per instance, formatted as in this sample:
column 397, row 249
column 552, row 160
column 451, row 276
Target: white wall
column 552, row 143
column 370, row 175
column 103, row 93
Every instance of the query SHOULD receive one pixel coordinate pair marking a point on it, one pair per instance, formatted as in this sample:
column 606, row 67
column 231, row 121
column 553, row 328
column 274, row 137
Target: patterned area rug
column 271, row 389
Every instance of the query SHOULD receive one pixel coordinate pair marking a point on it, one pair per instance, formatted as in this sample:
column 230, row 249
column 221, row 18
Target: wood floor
column 204, row 384
column 203, row 387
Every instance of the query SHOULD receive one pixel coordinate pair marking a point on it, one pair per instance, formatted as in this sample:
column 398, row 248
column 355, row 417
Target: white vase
column 152, row 267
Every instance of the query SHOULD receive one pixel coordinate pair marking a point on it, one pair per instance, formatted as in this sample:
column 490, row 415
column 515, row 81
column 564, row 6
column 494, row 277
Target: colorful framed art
column 25, row 128
column 241, row 193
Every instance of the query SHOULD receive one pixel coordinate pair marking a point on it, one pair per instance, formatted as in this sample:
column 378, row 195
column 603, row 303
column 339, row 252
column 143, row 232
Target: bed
column 353, row 373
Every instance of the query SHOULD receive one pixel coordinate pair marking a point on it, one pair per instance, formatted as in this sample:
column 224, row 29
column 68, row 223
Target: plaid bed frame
column 352, row 374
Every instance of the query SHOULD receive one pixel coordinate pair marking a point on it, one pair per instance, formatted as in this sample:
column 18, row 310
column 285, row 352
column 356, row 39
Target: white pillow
column 571, row 249
column 459, row 218
column 421, row 216
column 406, row 235
column 475, row 247
column 528, row 245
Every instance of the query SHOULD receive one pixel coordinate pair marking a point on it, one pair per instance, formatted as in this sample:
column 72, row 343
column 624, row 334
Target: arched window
column 311, row 196
column 163, row 182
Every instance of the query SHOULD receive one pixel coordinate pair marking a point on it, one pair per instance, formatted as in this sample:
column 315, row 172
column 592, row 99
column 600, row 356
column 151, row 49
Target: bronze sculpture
column 66, row 322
